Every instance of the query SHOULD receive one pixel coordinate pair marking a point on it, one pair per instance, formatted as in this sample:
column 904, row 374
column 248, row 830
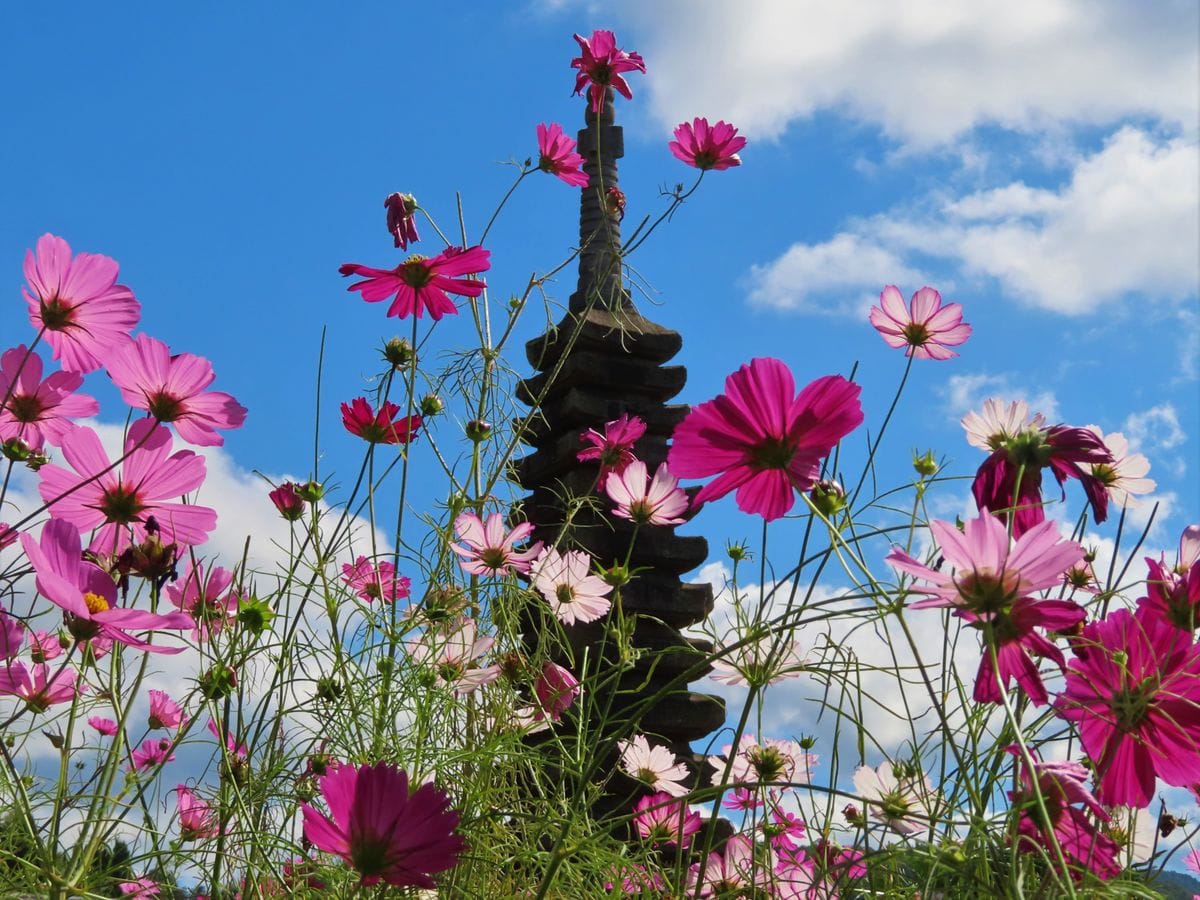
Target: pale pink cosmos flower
column 773, row 762
column 121, row 499
column 556, row 689
column 1189, row 549
column 164, row 712
column 904, row 801
column 665, row 819
column 421, row 284
column 761, row 439
column 487, row 548
column 378, row 581
column 556, row 155
column 385, row 831
column 36, row 411
column 707, row 147
column 154, row 752
column 77, row 301
column 207, row 595
column 565, row 580
column 401, row 218
column 759, row 661
column 601, row 64
column 926, row 327
column 991, row 586
column 87, row 594
column 454, row 652
column 659, row 502
column 39, row 686
column 1192, row 861
column 732, row 873
column 197, row 818
column 613, row 447
column 653, row 764
column 1125, row 476
column 997, row 424
column 1133, row 692
column 174, row 389
column 12, row 636
column 106, row 727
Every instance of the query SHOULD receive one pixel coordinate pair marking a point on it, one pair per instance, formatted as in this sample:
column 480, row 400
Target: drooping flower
column 164, row 712
column 375, row 581
column 926, row 327
column 487, row 547
column 197, row 818
column 654, row 765
column 991, row 588
column 565, row 580
column 87, row 594
column 39, row 686
column 381, row 427
column 385, row 832
column 77, row 301
column 707, row 147
column 761, row 440
column 174, row 389
column 8, row 535
column 663, row 818
column 122, row 499
column 1134, row 694
column 205, row 593
column 1172, row 596
column 38, row 412
column 902, row 800
column 1078, row 835
column 154, row 752
column 421, row 283
column 658, row 502
column 600, row 65
column 453, row 652
column 556, row 155
column 556, row 689
column 106, row 727
column 1125, row 476
column 402, row 219
column 612, row 448
column 287, row 501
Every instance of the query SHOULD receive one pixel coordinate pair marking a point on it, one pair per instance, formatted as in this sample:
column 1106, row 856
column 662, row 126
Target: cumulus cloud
column 964, row 393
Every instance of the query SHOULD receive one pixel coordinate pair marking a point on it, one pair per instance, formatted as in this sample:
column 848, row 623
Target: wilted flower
column 556, row 689
column 401, row 219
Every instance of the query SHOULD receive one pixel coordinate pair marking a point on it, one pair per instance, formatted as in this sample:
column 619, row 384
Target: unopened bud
column 617, row 575
column 828, row 497
column 218, row 682
column 312, row 491
column 399, row 353
column 737, row 552
column 288, row 501
column 926, row 465
column 431, row 405
column 478, row 430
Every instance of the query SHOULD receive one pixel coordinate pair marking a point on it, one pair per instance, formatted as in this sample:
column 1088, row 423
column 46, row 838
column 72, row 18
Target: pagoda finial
column 602, row 206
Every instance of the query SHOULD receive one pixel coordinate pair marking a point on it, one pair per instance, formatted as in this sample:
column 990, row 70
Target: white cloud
column 964, row 393
column 1156, row 428
column 924, row 71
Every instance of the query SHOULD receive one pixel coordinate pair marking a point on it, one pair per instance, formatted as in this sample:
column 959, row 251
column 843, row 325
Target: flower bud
column 217, row 682
column 15, row 450
column 828, row 497
column 254, row 615
column 737, row 552
column 614, row 202
column 288, row 501
column 399, row 353
column 926, row 466
column 478, row 430
column 431, row 405
column 617, row 575
column 312, row 491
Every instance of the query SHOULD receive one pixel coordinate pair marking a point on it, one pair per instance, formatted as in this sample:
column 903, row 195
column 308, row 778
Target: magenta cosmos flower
column 123, row 498
column 565, row 580
column 207, row 595
column 1134, row 694
column 556, row 689
column 761, row 440
column 613, row 447
column 106, row 727
column 373, row 582
column 381, row 829
column 487, row 548
column 401, row 219
column 34, row 411
column 39, row 686
column 927, row 328
column 164, row 712
column 153, row 753
column 420, row 283
column 991, row 587
column 77, row 301
column 382, row 427
column 1173, row 594
column 665, row 819
column 87, row 594
column 705, row 147
column 601, row 64
column 197, row 818
column 174, row 389
column 658, row 501
column 556, row 155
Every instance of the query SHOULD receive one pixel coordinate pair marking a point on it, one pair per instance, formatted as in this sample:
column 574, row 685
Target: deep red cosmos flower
column 382, row 427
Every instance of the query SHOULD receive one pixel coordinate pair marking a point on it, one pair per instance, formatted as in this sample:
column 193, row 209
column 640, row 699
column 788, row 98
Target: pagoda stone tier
column 602, row 360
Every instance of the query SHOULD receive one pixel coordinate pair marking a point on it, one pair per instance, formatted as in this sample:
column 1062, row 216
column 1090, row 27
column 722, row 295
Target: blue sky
column 1036, row 162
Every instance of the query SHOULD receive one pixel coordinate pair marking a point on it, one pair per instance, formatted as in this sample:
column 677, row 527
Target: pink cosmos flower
column 556, row 689
column 207, row 596
column 1134, row 694
column 743, row 799
column 12, row 636
column 1172, row 596
column 997, row 424
column 173, row 389
column 704, row 147
column 231, row 744
column 454, row 652
column 373, row 582
column 991, row 588
column 39, row 687
column 153, row 753
column 36, row 411
column 565, row 580
column 556, row 155
column 601, row 65
column 487, row 548
column 773, row 761
column 762, row 661
column 761, row 440
column 612, row 448
column 730, row 873
column 164, row 712
column 118, row 500
column 1061, row 784
column 783, row 829
column 381, row 427
column 902, row 800
column 287, row 501
column 87, row 594
column 77, row 301
column 106, row 727
column 387, row 833
column 653, row 764
column 420, row 283
column 659, row 502
column 1125, row 475
column 665, row 819
column 401, row 219
column 926, row 328
column 44, row 646
column 8, row 535
column 140, row 889
column 197, row 818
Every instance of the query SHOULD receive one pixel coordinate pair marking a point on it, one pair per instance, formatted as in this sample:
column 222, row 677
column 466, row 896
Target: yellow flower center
column 95, row 603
